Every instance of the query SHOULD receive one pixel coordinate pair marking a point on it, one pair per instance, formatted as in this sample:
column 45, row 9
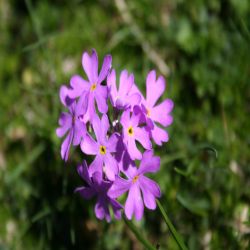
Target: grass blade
column 171, row 227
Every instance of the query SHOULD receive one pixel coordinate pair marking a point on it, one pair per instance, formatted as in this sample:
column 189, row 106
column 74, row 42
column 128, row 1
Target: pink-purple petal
column 90, row 66
column 142, row 136
column 159, row 135
column 89, row 145
column 107, row 61
column 149, row 163
column 125, row 118
column 155, row 88
column 119, row 187
column 112, row 143
column 133, row 151
column 111, row 167
column 160, row 113
column 65, row 147
column 101, row 99
column 78, row 86
column 96, row 165
column 150, row 185
column 65, row 122
column 126, row 82
column 101, row 210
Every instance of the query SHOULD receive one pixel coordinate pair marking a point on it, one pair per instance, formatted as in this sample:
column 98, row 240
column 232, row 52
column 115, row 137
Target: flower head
column 123, row 97
column 96, row 186
column 156, row 113
column 102, row 148
column 136, row 183
column 95, row 92
column 71, row 122
column 132, row 133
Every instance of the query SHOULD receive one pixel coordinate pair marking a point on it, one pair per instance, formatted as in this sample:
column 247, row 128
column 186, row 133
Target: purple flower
column 102, row 148
column 71, row 122
column 123, row 98
column 98, row 187
column 137, row 183
column 157, row 113
column 132, row 132
column 95, row 91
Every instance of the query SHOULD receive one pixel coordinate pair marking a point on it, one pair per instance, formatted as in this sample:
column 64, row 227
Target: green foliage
column 205, row 174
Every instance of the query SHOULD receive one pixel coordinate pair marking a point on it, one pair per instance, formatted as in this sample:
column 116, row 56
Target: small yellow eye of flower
column 102, row 150
column 134, row 180
column 130, row 131
column 93, row 87
column 148, row 113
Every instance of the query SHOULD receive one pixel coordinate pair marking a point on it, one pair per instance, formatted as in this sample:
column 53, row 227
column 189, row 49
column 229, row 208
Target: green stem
column 138, row 234
column 171, row 227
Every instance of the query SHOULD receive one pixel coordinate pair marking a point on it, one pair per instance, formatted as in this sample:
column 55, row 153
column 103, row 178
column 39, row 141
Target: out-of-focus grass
column 205, row 172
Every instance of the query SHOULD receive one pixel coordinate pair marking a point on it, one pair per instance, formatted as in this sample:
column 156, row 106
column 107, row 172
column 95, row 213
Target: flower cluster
column 115, row 125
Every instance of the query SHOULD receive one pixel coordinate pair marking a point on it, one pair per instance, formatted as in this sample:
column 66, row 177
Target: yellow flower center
column 102, row 150
column 134, row 180
column 130, row 131
column 148, row 113
column 93, row 87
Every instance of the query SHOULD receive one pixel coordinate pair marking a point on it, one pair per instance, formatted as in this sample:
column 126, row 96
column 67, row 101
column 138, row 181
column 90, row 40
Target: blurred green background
column 201, row 47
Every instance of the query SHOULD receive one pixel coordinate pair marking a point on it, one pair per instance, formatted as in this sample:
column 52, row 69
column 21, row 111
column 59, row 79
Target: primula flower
column 132, row 132
column 123, row 98
column 102, row 148
column 98, row 187
column 71, row 122
column 95, row 91
column 137, row 183
column 157, row 113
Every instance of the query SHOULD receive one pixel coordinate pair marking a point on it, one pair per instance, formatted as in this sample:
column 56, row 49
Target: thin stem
column 171, row 227
column 138, row 234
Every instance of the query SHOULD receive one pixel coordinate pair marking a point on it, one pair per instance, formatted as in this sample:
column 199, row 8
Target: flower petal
column 90, row 113
column 66, row 145
column 64, row 93
column 111, row 167
column 133, row 150
column 96, row 165
column 112, row 142
column 149, row 163
column 78, row 86
column 106, row 66
column 89, row 145
column 160, row 113
column 125, row 118
column 150, row 185
column 142, row 136
column 83, row 172
column 134, row 204
column 126, row 82
column 159, row 135
column 101, row 209
column 104, row 126
column 119, row 187
column 133, row 100
column 90, row 66
column 101, row 99
column 155, row 88
column 82, row 105
column 65, row 122
column 79, row 132
column 86, row 192
column 112, row 89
